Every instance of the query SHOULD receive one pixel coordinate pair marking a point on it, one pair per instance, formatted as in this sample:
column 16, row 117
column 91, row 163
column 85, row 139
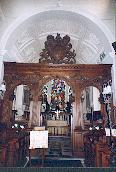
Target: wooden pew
column 3, row 155
column 102, row 152
column 13, row 152
column 96, row 149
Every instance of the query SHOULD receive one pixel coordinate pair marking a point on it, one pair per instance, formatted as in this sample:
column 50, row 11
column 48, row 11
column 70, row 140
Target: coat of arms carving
column 58, row 50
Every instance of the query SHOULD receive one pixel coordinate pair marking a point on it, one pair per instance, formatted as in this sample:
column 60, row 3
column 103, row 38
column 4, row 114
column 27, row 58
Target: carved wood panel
column 36, row 75
column 57, row 50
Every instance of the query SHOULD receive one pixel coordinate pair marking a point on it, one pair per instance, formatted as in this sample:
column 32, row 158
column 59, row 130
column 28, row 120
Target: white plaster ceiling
column 27, row 40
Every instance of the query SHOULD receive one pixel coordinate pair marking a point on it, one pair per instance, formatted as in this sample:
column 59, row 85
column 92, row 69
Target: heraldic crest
column 57, row 50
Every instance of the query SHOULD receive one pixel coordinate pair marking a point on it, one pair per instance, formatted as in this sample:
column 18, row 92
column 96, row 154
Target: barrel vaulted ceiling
column 27, row 40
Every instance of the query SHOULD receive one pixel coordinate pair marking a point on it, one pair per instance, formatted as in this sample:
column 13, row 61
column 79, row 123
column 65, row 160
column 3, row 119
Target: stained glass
column 58, row 93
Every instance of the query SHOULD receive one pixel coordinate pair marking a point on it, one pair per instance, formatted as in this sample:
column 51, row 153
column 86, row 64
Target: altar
column 57, row 127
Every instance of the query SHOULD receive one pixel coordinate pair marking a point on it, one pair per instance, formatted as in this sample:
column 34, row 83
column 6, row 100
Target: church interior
column 57, row 83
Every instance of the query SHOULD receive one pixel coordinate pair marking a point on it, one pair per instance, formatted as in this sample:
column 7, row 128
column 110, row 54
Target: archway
column 20, row 105
column 99, row 34
column 91, row 108
column 56, row 115
column 56, row 107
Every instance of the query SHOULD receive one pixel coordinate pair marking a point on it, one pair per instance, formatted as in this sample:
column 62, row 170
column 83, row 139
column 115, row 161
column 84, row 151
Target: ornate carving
column 58, row 50
column 36, row 75
column 23, row 79
column 28, row 78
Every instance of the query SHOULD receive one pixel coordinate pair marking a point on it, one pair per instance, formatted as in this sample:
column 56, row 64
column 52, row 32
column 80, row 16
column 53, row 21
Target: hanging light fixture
column 104, row 89
column 109, row 88
column 107, row 91
column 2, row 89
column 107, row 95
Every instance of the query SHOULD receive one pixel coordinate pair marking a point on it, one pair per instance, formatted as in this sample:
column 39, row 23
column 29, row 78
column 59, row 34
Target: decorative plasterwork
column 27, row 41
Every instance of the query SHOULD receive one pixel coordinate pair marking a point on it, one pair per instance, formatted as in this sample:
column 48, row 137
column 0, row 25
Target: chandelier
column 2, row 89
column 107, row 92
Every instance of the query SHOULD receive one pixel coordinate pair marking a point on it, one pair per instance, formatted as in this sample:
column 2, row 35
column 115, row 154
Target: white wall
column 96, row 95
column 2, row 53
column 10, row 10
column 19, row 100
column 1, row 70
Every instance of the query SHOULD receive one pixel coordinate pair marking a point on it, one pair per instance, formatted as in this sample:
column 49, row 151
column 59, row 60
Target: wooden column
column 7, row 107
column 77, row 118
column 103, row 112
column 35, row 114
column 1, row 108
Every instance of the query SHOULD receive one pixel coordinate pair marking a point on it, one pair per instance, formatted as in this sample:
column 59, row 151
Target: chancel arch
column 56, row 63
column 57, row 106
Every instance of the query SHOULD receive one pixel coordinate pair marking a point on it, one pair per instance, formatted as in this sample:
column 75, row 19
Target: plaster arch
column 87, row 16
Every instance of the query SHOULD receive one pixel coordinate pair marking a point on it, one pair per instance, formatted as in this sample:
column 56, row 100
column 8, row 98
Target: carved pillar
column 7, row 107
column 77, row 116
column 103, row 112
column 2, row 53
column 113, row 111
column 35, row 106
column 113, row 55
column 11, row 84
column 77, row 123
column 1, row 108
